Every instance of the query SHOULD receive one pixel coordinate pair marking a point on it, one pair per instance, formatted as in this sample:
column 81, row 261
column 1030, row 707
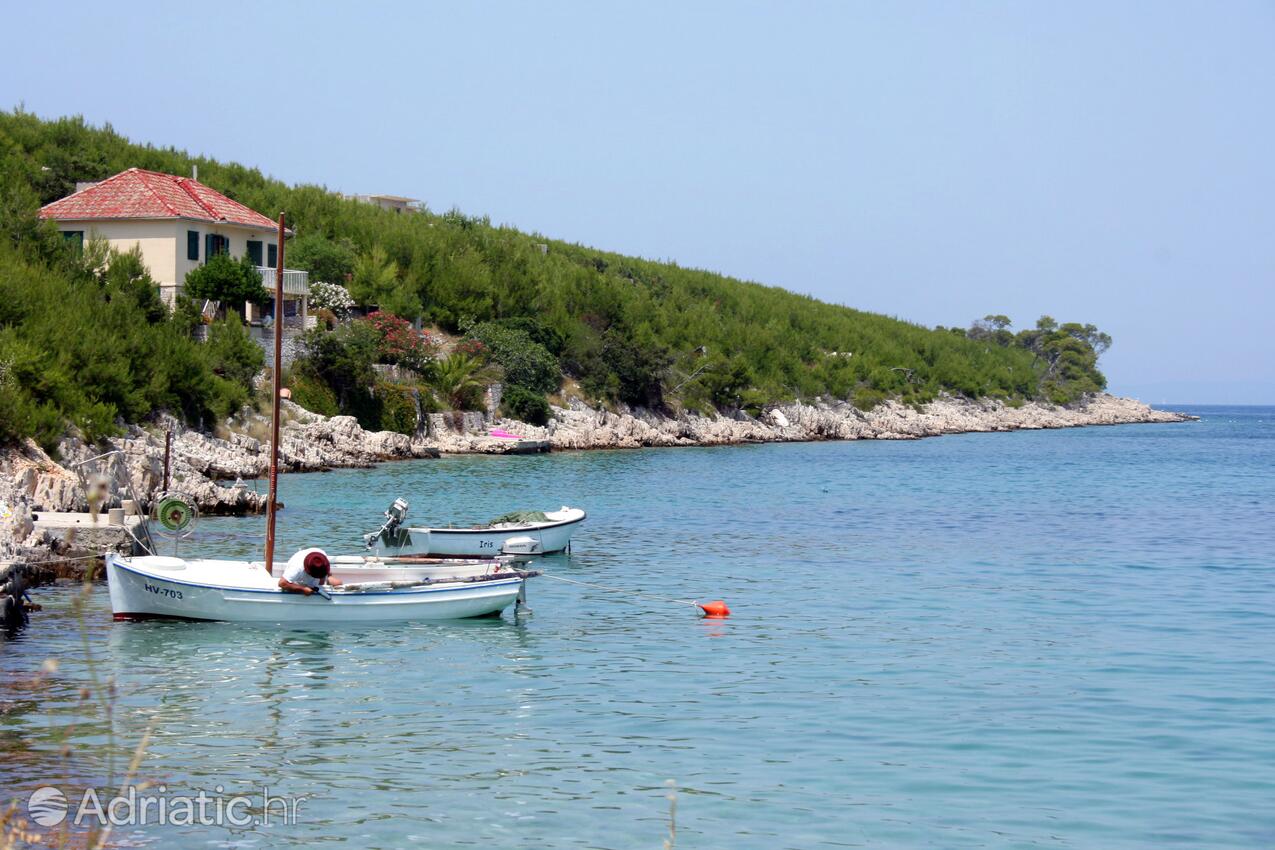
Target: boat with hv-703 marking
column 154, row 586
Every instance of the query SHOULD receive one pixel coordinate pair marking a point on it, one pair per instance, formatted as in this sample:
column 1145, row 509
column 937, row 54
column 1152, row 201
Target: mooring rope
column 624, row 590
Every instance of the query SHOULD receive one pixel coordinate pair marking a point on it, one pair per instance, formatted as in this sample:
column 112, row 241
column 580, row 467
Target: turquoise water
column 1039, row 639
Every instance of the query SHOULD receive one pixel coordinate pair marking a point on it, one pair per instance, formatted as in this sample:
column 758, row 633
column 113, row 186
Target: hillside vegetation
column 626, row 329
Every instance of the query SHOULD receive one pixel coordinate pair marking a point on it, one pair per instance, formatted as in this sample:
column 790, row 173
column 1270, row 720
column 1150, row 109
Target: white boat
column 151, row 587
column 509, row 537
column 365, row 568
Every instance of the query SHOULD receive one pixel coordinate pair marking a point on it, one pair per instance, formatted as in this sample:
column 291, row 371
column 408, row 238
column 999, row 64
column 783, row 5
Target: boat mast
column 276, row 381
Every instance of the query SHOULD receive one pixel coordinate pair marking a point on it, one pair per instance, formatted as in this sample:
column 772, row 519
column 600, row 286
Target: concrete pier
column 89, row 535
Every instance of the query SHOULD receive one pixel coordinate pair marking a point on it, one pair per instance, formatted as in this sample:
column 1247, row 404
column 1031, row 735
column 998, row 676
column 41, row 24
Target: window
column 74, row 238
column 214, row 245
column 272, row 256
column 192, row 245
column 254, row 251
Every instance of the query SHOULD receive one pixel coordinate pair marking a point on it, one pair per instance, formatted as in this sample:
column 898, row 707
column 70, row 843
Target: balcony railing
column 295, row 281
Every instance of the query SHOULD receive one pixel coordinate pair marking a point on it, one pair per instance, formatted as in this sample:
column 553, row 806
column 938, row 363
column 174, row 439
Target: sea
column 1041, row 639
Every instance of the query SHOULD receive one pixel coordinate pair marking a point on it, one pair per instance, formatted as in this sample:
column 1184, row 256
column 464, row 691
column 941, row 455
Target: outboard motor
column 525, row 545
column 391, row 535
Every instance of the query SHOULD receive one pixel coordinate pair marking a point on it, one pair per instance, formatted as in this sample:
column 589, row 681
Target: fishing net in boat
column 518, row 517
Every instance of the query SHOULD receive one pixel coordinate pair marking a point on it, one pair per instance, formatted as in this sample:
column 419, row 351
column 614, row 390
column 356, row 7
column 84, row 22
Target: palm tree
column 459, row 379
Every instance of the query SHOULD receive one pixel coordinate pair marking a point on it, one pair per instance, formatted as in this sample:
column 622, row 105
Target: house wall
column 163, row 245
column 238, row 236
column 155, row 238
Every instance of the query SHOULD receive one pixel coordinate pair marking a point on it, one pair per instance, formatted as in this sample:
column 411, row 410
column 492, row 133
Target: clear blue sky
column 1101, row 162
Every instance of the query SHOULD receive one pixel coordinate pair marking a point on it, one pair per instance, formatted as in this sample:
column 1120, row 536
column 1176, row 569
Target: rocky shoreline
column 582, row 427
column 201, row 465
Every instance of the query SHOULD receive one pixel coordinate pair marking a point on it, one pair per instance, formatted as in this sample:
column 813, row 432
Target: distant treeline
column 626, row 329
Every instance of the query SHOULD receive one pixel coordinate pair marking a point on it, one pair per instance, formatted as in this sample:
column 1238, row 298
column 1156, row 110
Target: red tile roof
column 137, row 193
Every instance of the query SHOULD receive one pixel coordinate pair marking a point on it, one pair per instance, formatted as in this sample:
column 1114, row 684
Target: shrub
column 526, row 362
column 126, row 276
column 325, row 318
column 232, row 282
column 472, row 348
column 524, row 405
column 227, row 398
column 537, row 330
column 724, row 381
column 398, row 407
column 375, row 281
column 83, row 347
column 753, row 402
column 399, row 342
column 312, row 393
column 342, row 359
column 329, row 262
column 364, row 405
column 235, row 360
column 866, row 398
column 638, row 365
column 332, row 297
column 231, row 353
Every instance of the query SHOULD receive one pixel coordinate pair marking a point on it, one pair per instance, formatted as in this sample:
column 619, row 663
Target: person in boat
column 306, row 572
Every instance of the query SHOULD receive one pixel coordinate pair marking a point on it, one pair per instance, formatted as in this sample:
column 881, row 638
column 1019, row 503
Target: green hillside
column 626, row 329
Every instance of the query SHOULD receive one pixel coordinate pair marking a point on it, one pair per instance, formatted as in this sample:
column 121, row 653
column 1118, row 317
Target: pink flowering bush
column 399, row 342
column 472, row 348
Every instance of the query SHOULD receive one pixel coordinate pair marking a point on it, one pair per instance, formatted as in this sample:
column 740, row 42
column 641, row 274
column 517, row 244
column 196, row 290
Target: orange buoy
column 714, row 610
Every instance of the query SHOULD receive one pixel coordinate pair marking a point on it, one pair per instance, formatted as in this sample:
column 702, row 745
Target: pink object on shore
column 504, row 435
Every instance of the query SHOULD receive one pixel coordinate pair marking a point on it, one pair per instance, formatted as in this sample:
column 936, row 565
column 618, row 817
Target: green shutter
column 254, row 251
column 192, row 245
column 272, row 256
column 208, row 247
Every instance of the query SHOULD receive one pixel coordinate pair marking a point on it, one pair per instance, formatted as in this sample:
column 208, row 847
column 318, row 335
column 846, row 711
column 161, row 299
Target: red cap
column 317, row 564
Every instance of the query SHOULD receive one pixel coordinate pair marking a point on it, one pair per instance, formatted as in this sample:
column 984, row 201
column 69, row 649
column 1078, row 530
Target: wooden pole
column 276, row 380
column 168, row 448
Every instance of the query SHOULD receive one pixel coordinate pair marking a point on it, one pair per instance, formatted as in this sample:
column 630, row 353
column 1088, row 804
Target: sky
column 1099, row 162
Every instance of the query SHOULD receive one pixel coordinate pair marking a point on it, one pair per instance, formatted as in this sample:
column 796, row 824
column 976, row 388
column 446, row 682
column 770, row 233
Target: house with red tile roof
column 177, row 223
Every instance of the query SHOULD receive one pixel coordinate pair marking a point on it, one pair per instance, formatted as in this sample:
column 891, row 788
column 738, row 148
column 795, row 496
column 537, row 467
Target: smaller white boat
column 520, row 533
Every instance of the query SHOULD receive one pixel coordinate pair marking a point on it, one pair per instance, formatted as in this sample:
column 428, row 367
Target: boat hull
column 354, row 569
column 534, row 539
column 139, row 593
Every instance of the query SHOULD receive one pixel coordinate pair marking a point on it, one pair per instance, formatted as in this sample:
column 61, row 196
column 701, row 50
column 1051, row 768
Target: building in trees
column 179, row 223
column 393, row 203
